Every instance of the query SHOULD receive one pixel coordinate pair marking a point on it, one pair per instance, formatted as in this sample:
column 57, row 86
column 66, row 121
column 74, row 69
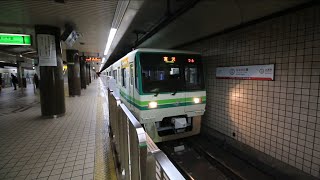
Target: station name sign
column 15, row 39
column 95, row 59
column 255, row 72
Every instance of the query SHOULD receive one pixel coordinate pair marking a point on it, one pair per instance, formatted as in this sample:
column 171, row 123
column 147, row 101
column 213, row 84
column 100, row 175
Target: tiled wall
column 280, row 118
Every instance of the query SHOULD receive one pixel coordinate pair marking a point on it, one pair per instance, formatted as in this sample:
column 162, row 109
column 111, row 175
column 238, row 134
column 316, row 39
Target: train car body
column 164, row 89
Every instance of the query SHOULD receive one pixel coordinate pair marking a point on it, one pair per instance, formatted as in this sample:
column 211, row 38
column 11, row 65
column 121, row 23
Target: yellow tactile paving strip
column 104, row 164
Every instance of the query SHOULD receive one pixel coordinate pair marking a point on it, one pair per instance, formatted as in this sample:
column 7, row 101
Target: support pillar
column 74, row 82
column 90, row 73
column 83, row 72
column 20, row 73
column 51, row 71
column 87, row 73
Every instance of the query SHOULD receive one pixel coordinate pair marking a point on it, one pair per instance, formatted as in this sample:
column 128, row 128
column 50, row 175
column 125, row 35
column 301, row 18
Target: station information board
column 15, row 39
column 255, row 72
column 46, row 50
column 95, row 59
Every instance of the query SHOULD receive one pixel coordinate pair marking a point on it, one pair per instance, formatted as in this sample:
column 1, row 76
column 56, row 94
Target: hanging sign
column 256, row 72
column 95, row 59
column 46, row 50
column 15, row 39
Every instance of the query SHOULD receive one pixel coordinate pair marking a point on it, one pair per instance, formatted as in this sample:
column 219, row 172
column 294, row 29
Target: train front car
column 171, row 92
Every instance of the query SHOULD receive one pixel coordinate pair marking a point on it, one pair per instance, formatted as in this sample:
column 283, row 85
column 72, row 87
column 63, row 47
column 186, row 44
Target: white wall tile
column 281, row 117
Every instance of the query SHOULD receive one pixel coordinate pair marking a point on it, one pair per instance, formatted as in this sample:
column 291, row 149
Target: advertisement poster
column 255, row 72
column 46, row 50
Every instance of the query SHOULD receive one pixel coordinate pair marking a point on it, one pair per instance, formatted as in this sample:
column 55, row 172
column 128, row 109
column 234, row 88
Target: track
column 195, row 162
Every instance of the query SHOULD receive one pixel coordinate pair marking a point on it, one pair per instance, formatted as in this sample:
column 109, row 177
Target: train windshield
column 171, row 72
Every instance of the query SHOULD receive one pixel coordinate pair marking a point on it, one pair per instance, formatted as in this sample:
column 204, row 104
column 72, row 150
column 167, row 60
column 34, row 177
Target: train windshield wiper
column 156, row 90
column 174, row 92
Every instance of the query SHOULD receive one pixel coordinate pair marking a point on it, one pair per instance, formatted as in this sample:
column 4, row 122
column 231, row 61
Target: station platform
column 74, row 146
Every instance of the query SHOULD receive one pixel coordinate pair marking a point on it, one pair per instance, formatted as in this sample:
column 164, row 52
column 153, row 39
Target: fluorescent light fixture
column 2, row 61
column 101, row 65
column 110, row 39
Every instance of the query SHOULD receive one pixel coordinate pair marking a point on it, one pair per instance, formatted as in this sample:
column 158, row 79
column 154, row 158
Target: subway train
column 164, row 89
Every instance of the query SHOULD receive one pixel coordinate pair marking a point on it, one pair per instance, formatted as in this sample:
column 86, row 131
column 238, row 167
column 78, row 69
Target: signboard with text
column 46, row 50
column 255, row 72
column 95, row 59
column 15, row 39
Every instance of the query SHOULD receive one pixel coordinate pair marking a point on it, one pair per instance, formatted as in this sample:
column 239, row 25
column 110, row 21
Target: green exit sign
column 15, row 39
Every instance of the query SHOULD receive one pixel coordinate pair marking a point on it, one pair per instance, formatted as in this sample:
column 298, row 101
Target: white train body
column 164, row 89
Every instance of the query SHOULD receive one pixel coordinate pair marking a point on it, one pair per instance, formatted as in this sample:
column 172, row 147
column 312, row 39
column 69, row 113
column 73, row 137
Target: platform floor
column 73, row 146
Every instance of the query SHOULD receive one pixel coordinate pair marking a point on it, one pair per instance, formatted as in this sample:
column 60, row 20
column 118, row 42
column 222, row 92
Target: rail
column 139, row 157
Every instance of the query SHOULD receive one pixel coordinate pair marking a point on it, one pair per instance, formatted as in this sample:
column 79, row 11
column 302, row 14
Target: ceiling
column 150, row 14
column 203, row 18
column 92, row 19
column 215, row 16
column 140, row 23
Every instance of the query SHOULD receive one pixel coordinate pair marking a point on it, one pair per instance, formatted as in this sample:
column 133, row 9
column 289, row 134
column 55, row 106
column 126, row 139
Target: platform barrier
column 138, row 156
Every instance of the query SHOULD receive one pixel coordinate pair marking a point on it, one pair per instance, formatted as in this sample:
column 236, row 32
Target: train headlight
column 153, row 104
column 197, row 100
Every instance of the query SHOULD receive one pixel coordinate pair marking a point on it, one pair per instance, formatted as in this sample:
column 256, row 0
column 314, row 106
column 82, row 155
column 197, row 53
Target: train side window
column 115, row 75
column 136, row 75
column 118, row 77
column 123, row 72
column 131, row 74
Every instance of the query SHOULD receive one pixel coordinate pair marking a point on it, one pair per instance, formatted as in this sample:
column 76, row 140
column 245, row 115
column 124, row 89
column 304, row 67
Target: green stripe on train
column 166, row 103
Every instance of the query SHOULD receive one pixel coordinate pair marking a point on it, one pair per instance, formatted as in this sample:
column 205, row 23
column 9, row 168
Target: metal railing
column 138, row 155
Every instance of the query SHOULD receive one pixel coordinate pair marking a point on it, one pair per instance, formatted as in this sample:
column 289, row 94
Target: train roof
column 161, row 50
column 155, row 50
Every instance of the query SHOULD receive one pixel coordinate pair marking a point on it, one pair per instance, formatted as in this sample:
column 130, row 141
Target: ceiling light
column 2, row 61
column 101, row 65
column 103, row 60
column 110, row 39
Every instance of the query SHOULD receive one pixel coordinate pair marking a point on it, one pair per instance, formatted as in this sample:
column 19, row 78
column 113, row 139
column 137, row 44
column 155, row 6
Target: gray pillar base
column 53, row 116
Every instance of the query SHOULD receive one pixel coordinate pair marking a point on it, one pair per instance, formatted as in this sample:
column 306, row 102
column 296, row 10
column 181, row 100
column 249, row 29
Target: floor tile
column 66, row 175
column 88, row 177
column 61, row 148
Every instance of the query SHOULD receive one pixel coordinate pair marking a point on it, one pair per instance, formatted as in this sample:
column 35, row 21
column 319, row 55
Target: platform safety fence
column 138, row 156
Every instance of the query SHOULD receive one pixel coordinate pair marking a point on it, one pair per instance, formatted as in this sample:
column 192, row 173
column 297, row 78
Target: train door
column 194, row 84
column 131, row 86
